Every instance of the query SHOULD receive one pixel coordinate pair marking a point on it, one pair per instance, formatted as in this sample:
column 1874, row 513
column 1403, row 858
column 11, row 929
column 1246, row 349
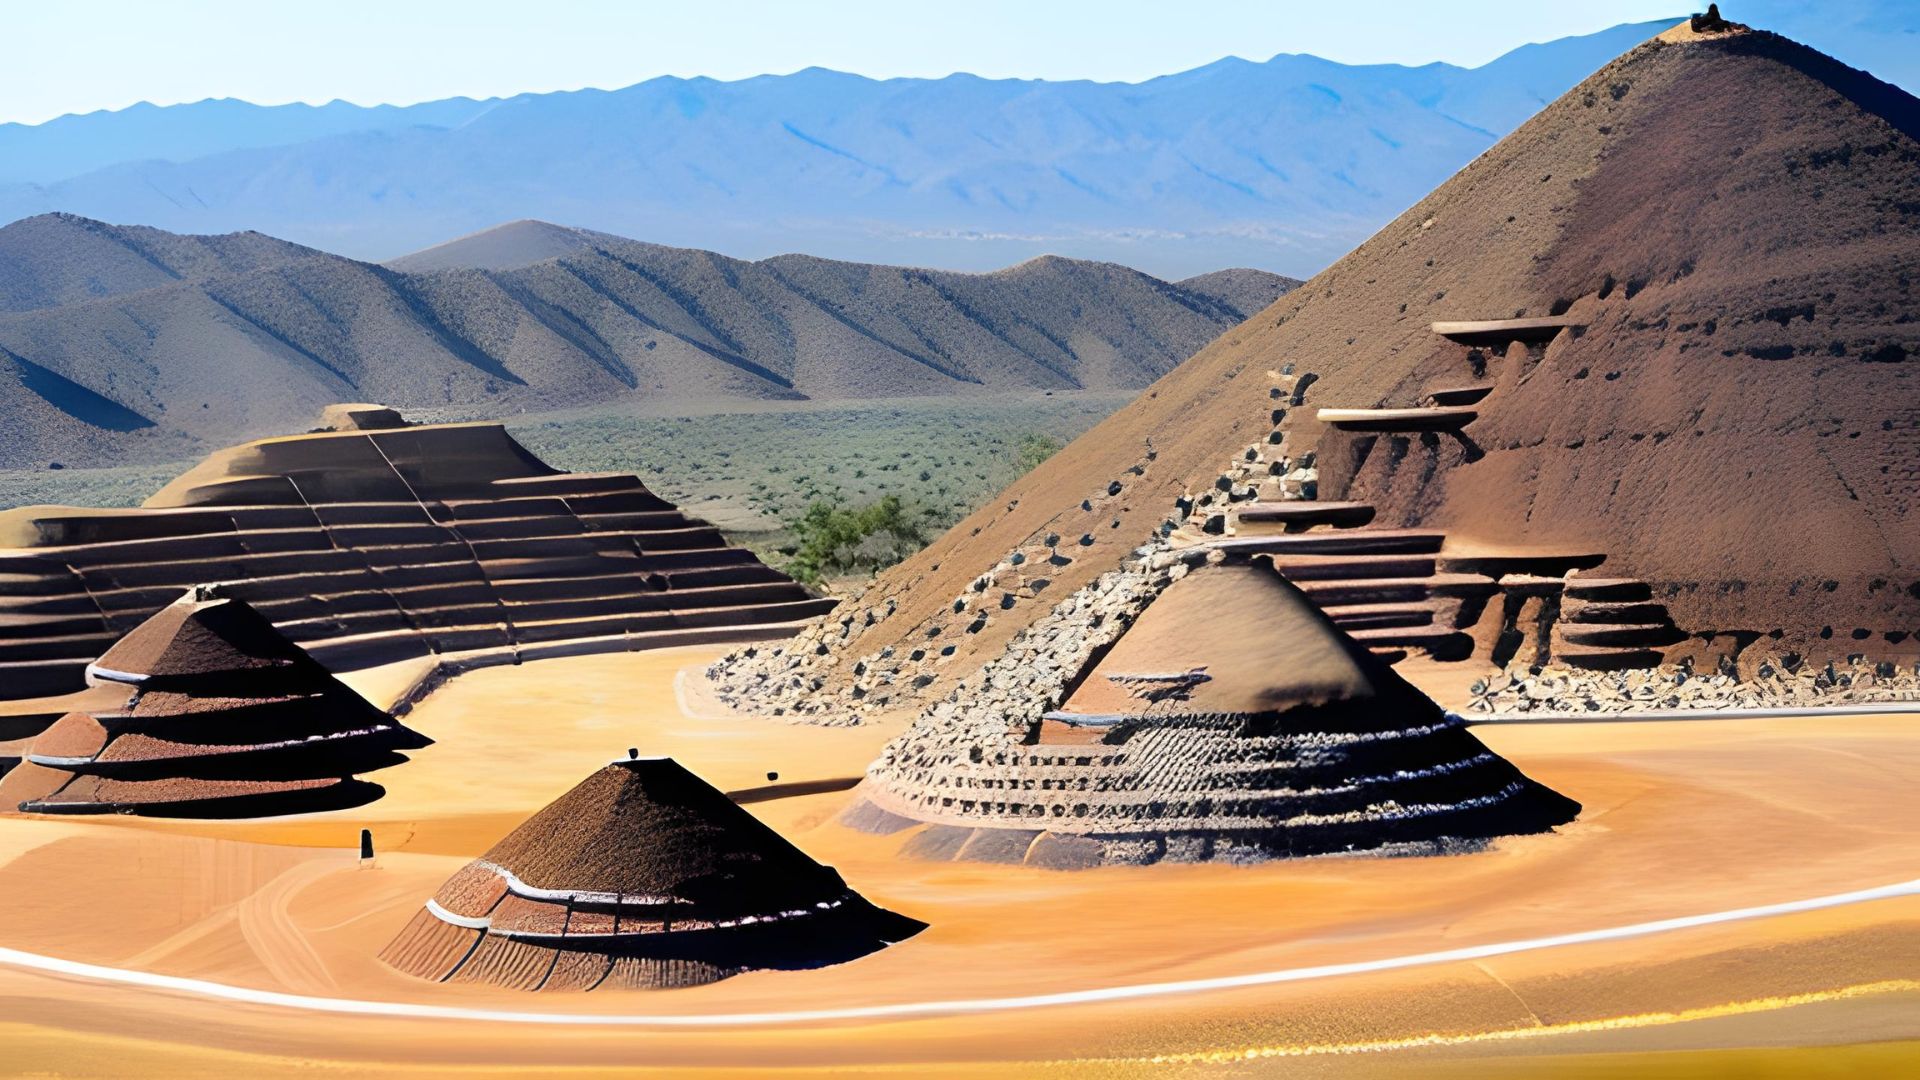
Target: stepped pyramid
column 643, row 876
column 373, row 540
column 224, row 718
column 1232, row 721
column 1634, row 387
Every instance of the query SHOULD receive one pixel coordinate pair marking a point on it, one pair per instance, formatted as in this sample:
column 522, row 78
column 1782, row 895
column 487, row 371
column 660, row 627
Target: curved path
column 1778, row 712
column 222, row 991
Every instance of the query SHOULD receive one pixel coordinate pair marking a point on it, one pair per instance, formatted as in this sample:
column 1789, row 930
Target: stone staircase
column 1611, row 623
column 1407, row 590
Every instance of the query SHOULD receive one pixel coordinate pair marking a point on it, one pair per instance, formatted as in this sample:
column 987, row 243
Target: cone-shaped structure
column 642, row 876
column 1231, row 721
column 225, row 718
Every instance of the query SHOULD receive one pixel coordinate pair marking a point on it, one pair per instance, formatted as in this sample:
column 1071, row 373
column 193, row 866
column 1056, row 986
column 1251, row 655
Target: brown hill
column 212, row 338
column 642, row 876
column 1229, row 721
column 1711, row 422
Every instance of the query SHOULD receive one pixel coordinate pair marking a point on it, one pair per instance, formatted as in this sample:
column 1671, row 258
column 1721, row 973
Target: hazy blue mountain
column 71, row 145
column 1283, row 164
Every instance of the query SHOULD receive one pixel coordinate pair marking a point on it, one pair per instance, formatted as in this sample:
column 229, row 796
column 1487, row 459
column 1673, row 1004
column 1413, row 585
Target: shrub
column 1034, row 448
column 831, row 538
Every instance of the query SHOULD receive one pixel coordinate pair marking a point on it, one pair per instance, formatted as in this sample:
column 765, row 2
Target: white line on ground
column 1873, row 708
column 411, row 1010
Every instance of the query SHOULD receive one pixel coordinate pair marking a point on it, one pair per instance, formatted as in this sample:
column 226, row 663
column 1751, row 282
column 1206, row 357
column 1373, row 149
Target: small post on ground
column 366, row 846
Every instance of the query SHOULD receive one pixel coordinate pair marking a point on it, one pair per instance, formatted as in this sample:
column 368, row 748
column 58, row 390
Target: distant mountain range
column 133, row 343
column 1284, row 164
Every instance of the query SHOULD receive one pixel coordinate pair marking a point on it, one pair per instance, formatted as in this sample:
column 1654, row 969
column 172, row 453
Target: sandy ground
column 1680, row 819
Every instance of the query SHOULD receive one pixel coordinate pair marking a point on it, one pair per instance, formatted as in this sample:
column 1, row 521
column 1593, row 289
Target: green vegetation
column 126, row 485
column 758, row 474
column 1035, row 448
column 897, row 472
column 833, row 540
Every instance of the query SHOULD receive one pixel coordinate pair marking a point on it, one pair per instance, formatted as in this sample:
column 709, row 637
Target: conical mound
column 643, row 876
column 1634, row 387
column 224, row 718
column 1231, row 721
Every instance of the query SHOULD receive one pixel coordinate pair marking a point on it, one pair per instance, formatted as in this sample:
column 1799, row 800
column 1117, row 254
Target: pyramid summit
column 1631, row 389
column 224, row 718
column 1230, row 721
column 641, row 876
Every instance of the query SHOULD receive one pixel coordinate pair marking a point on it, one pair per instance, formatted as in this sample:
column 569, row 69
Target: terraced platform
column 370, row 544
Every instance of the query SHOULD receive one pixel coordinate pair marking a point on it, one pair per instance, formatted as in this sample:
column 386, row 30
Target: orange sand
column 1680, row 818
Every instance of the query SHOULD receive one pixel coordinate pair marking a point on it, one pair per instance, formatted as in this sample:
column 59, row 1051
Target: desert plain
column 1680, row 819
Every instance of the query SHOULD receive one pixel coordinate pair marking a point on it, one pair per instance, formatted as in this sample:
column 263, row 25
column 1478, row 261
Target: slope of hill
column 503, row 247
column 197, row 340
column 1717, row 238
column 1282, row 164
column 58, row 259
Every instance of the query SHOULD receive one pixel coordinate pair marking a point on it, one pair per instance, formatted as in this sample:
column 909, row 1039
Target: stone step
column 1459, row 395
column 76, row 602
column 1498, row 331
column 1462, row 585
column 1343, row 567
column 1538, row 563
column 520, row 528
column 1365, row 591
column 1627, row 612
column 57, row 646
column 15, row 625
column 57, row 580
column 1619, row 635
column 45, row 678
column 1608, row 589
column 1351, row 617
column 1601, row 658
column 1299, row 516
column 1438, row 642
column 1430, row 418
column 1336, row 542
column 1531, row 584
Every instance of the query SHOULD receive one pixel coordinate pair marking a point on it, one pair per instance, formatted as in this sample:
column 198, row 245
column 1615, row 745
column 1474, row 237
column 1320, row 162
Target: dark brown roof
column 233, row 721
column 650, row 828
column 192, row 637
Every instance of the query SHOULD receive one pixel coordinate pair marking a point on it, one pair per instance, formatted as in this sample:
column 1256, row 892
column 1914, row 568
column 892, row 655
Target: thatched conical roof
column 224, row 718
column 643, row 875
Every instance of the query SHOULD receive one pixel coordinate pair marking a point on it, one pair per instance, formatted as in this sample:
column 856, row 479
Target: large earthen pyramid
column 1231, row 720
column 643, row 876
column 372, row 540
column 1640, row 385
column 223, row 718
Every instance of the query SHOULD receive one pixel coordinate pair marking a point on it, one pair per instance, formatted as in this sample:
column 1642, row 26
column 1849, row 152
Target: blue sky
column 88, row 54
column 81, row 55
